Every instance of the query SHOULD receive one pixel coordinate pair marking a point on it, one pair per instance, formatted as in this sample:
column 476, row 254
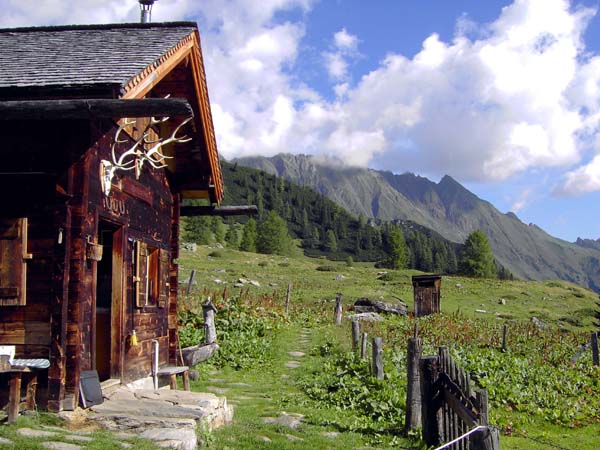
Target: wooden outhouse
column 427, row 294
column 105, row 130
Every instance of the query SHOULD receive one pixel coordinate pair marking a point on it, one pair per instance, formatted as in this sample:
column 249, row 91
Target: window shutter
column 163, row 298
column 141, row 272
column 13, row 257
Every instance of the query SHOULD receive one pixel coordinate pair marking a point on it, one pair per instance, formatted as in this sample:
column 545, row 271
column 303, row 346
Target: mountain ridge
column 446, row 207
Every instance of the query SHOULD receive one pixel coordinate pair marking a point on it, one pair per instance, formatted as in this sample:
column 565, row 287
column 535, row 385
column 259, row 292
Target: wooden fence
column 441, row 399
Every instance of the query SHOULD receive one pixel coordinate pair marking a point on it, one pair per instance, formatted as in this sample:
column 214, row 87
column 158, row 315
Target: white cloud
column 582, row 180
column 522, row 200
column 498, row 100
column 344, row 49
column 345, row 41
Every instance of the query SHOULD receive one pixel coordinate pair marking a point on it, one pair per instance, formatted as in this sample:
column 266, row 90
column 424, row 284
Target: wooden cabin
column 89, row 223
column 427, row 294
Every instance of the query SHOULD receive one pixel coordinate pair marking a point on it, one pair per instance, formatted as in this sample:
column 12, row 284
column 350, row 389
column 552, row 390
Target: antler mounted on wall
column 144, row 149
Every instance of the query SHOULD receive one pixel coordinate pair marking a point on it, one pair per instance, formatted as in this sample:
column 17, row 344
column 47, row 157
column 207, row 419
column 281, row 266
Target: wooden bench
column 16, row 368
column 172, row 372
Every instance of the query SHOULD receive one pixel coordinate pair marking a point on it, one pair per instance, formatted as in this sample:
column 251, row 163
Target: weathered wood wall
column 63, row 201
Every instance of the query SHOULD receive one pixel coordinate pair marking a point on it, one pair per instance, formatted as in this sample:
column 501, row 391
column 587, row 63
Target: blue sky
column 504, row 96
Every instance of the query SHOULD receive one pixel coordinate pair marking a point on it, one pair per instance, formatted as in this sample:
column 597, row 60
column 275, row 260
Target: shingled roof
column 85, row 56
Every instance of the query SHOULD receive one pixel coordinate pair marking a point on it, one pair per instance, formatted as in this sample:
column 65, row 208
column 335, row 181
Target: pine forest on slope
column 448, row 209
column 325, row 228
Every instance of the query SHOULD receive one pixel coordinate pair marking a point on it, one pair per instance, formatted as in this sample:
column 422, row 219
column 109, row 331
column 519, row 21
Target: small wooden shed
column 427, row 294
column 105, row 130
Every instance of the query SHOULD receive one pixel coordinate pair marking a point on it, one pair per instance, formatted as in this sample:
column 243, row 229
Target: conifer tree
column 477, row 259
column 248, row 243
column 397, row 255
column 233, row 235
column 273, row 236
column 219, row 230
column 198, row 230
column 330, row 243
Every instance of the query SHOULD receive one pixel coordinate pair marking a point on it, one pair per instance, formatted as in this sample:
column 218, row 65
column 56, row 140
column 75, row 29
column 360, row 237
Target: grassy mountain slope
column 446, row 207
column 311, row 216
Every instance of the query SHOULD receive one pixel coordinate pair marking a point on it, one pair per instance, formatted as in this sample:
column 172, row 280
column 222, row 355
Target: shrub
column 327, row 268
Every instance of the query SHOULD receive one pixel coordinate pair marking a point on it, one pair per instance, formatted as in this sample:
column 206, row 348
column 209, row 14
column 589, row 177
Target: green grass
column 566, row 309
column 559, row 303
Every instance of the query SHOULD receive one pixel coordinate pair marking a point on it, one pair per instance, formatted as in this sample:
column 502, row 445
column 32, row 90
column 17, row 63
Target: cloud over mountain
column 509, row 97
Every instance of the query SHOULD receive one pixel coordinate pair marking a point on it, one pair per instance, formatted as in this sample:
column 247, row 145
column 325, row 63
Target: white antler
column 154, row 154
column 134, row 158
column 108, row 168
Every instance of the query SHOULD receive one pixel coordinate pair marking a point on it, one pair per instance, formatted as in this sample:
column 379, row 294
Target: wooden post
column 31, row 391
column 430, row 404
column 377, row 363
column 287, row 300
column 487, row 439
column 504, row 332
column 446, row 429
column 337, row 316
column 595, row 357
column 363, row 346
column 186, row 380
column 191, row 281
column 208, row 311
column 14, row 397
column 413, row 389
column 355, row 334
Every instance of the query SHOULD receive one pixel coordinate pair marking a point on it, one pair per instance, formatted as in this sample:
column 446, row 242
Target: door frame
column 118, row 298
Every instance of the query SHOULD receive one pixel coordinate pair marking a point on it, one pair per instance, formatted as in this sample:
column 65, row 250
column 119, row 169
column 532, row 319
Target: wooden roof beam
column 93, row 109
column 223, row 211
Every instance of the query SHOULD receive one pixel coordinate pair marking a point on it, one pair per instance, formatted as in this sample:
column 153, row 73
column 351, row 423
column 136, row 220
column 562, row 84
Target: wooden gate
column 441, row 398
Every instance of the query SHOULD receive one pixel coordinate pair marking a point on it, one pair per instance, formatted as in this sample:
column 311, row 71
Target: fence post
column 504, row 332
column 413, row 389
column 208, row 312
column 363, row 346
column 595, row 357
column 355, row 334
column 377, row 363
column 287, row 300
column 487, row 439
column 191, row 281
column 338, row 310
column 430, row 404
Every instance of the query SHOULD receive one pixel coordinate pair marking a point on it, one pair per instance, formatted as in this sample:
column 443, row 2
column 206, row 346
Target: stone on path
column 292, row 438
column 61, row 446
column 31, row 433
column 5, row 441
column 330, row 434
column 284, row 376
column 296, row 354
column 216, row 390
column 78, row 438
column 292, row 364
column 265, row 439
column 172, row 438
column 217, row 380
column 240, row 385
column 291, row 420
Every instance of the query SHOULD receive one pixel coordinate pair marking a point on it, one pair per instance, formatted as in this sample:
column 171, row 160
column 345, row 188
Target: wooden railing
column 441, row 399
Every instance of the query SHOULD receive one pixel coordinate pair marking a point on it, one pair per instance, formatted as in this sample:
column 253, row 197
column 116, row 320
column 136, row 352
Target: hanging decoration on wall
column 144, row 149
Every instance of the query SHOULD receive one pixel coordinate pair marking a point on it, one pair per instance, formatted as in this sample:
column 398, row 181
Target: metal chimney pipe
column 146, row 10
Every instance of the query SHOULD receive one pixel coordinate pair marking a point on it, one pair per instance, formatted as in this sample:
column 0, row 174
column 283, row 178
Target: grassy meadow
column 539, row 398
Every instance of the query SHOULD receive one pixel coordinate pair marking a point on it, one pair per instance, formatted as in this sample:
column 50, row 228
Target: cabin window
column 13, row 258
column 151, row 276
